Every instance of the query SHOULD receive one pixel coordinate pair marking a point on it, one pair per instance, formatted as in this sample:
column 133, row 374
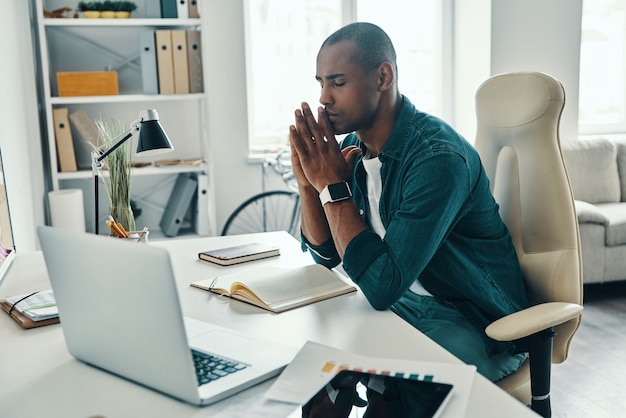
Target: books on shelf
column 239, row 253
column 189, row 161
column 165, row 63
column 180, row 61
column 174, row 9
column 175, row 64
column 64, row 142
column 200, row 206
column 279, row 289
column 147, row 50
column 178, row 204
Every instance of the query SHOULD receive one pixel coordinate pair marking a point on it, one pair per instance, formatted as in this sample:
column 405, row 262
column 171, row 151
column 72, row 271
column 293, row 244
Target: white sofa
column 597, row 172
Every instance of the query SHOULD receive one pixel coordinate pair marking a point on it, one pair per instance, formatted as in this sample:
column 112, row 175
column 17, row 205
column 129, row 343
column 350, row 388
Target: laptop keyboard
column 209, row 367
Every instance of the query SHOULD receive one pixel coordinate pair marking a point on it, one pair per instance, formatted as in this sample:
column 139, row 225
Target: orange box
column 90, row 83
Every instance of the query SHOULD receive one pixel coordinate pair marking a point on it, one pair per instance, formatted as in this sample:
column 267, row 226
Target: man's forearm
column 314, row 225
column 345, row 223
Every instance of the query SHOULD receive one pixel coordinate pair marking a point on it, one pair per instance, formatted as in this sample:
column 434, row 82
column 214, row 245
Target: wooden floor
column 592, row 381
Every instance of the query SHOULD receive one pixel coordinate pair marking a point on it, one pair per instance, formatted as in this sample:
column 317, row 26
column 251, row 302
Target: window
column 284, row 36
column 416, row 35
column 602, row 102
column 282, row 40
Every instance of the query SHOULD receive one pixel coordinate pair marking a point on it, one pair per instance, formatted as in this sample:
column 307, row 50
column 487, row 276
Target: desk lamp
column 152, row 140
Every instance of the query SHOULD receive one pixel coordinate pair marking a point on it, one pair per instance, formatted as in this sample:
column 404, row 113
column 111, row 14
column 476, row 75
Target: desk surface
column 38, row 377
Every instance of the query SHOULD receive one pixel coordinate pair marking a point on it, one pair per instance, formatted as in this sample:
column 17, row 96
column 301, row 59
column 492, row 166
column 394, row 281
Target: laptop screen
column 7, row 247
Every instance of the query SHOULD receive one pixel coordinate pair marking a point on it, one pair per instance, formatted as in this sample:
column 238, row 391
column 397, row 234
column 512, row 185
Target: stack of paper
column 37, row 307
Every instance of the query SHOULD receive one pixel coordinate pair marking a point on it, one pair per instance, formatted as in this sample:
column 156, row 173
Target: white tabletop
column 38, row 377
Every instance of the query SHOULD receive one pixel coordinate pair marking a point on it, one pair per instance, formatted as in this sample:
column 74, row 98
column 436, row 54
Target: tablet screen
column 383, row 395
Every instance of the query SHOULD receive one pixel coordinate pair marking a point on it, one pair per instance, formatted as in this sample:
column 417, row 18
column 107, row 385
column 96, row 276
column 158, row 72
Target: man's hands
column 315, row 155
column 317, row 162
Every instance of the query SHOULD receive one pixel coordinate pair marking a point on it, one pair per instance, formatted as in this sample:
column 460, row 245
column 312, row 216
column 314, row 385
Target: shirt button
column 361, row 212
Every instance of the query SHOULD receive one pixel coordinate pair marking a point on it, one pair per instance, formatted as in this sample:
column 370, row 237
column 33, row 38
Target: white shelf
column 125, row 98
column 140, row 171
column 139, row 22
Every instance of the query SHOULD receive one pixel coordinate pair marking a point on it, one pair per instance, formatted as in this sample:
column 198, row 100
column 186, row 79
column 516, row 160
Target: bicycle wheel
column 276, row 210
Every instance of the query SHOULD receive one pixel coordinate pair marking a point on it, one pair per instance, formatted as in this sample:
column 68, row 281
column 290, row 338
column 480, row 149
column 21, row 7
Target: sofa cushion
column 592, row 170
column 621, row 165
column 615, row 213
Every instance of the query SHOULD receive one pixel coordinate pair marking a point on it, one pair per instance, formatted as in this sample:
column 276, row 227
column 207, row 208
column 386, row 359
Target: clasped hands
column 316, row 158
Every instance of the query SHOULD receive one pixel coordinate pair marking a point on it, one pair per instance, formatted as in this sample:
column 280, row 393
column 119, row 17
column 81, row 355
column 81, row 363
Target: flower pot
column 91, row 14
column 122, row 15
column 107, row 14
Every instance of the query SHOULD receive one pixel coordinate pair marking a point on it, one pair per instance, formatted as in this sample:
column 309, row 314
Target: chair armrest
column 532, row 320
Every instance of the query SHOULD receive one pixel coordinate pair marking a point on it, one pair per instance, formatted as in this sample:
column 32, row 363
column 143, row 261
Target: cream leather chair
column 517, row 137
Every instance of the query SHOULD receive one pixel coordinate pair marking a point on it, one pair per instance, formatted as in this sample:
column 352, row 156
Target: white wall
column 234, row 178
column 19, row 124
column 540, row 35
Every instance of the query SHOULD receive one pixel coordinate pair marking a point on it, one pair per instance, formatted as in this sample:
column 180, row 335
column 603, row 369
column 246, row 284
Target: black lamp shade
column 152, row 139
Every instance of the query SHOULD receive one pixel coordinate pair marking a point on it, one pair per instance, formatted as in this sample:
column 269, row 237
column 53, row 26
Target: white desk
column 38, row 377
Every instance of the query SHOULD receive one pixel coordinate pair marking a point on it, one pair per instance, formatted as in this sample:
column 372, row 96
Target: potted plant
column 123, row 9
column 89, row 9
column 108, row 9
column 119, row 165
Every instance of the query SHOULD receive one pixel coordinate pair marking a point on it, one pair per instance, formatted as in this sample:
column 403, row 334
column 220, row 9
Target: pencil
column 122, row 230
column 116, row 230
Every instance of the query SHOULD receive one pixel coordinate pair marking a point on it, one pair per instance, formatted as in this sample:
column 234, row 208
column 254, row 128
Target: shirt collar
column 396, row 144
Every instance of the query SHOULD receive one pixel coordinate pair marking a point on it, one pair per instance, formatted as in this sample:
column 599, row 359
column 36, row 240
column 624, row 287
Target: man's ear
column 386, row 76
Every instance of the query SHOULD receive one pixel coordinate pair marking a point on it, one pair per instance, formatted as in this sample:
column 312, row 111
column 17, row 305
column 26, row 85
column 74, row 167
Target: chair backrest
column 517, row 137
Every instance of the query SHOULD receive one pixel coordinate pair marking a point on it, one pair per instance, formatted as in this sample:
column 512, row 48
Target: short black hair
column 373, row 45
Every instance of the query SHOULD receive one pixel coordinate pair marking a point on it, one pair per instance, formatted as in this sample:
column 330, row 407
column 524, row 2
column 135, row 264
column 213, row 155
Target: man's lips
column 331, row 115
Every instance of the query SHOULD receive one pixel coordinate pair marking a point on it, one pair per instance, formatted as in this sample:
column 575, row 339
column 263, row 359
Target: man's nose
column 325, row 96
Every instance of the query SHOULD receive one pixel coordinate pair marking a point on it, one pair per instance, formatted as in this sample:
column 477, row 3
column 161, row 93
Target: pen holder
column 137, row 236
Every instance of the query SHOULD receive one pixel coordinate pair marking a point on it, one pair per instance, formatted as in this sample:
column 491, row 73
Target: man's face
column 349, row 95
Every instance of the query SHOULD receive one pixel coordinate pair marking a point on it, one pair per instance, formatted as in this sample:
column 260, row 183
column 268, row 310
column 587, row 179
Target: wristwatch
column 335, row 192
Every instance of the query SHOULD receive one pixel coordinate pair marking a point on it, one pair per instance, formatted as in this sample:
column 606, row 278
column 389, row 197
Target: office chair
column 517, row 137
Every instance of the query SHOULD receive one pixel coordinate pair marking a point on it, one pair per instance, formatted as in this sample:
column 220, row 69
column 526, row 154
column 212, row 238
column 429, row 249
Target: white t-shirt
column 374, row 187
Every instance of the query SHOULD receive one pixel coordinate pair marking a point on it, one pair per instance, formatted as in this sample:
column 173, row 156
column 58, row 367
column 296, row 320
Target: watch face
column 339, row 191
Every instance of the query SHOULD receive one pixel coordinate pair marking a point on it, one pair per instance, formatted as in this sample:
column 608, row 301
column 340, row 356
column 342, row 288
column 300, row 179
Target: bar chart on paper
column 332, row 368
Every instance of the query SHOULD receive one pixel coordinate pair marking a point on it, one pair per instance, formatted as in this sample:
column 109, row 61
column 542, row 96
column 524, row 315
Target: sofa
column 597, row 172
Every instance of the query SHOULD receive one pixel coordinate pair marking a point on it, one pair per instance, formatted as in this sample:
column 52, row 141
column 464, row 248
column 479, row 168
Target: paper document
column 316, row 364
column 37, row 307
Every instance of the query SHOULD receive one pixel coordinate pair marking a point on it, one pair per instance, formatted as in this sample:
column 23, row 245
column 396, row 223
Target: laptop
column 120, row 312
column 7, row 246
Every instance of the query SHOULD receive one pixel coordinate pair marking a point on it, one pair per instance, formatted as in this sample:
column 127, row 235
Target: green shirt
column 442, row 226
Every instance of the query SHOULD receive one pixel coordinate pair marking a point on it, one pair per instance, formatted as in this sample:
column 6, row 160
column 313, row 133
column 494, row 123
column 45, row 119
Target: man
column 404, row 203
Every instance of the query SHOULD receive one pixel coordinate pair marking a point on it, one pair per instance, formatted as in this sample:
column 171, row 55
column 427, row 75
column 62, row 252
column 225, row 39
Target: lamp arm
column 97, row 156
column 126, row 135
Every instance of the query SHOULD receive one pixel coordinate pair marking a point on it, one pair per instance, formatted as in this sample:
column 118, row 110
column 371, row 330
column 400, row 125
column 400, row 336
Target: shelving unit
column 81, row 44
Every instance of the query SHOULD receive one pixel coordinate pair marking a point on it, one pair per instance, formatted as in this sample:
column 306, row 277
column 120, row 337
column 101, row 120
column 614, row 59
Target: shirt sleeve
column 428, row 201
column 325, row 254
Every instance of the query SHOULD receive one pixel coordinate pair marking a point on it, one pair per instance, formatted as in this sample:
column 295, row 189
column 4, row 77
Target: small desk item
column 239, row 253
column 279, row 289
column 34, row 310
